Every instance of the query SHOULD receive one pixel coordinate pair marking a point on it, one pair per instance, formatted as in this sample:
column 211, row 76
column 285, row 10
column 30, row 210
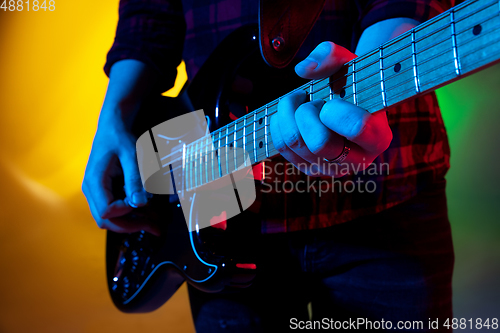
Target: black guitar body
column 144, row 271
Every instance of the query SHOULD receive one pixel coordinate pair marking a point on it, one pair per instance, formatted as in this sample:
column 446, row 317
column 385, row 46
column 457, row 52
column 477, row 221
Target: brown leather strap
column 283, row 27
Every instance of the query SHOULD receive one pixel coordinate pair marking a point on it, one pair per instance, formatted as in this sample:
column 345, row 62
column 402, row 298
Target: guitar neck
column 450, row 46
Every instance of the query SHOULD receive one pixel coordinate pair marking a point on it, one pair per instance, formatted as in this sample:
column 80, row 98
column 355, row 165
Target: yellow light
column 52, row 89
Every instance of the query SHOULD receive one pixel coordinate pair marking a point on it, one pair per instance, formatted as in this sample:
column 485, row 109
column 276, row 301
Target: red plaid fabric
column 418, row 156
column 162, row 32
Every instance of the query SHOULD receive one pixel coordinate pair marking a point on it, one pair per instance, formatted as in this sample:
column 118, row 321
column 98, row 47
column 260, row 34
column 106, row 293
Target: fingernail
column 308, row 64
column 139, row 198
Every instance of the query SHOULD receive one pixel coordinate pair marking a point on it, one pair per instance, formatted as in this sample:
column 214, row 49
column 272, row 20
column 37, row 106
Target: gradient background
column 52, row 276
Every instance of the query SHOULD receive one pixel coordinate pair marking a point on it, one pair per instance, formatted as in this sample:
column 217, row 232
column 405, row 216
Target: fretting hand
column 307, row 133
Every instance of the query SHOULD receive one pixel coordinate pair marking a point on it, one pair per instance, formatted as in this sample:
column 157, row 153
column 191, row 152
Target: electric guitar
column 144, row 271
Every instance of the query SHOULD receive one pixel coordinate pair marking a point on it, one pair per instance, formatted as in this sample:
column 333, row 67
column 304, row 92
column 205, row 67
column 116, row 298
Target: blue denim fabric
column 395, row 265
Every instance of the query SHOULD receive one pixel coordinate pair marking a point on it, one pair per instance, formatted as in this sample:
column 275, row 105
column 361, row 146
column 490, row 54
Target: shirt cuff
column 167, row 74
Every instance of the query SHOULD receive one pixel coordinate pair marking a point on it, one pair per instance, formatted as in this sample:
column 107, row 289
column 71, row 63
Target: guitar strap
column 283, row 27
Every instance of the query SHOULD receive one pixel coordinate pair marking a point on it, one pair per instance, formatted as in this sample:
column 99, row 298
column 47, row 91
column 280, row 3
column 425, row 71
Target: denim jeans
column 394, row 266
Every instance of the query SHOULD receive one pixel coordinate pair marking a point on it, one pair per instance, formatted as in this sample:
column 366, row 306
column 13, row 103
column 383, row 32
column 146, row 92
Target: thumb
column 136, row 194
column 323, row 61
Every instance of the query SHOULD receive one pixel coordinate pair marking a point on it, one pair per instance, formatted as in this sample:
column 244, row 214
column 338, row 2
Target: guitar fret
column 214, row 157
column 382, row 83
column 240, row 154
column 311, row 91
column 234, row 146
column 212, row 152
column 195, row 167
column 245, row 138
column 454, row 43
column 190, row 169
column 227, row 148
column 254, row 138
column 184, row 178
column 187, row 168
column 218, row 158
column 414, row 59
column 354, row 97
column 206, row 157
column 194, row 157
column 199, row 170
column 200, row 160
column 204, row 160
column 198, row 164
column 265, row 130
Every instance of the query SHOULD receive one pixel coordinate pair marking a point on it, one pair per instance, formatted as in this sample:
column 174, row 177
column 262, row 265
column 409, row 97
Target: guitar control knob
column 278, row 43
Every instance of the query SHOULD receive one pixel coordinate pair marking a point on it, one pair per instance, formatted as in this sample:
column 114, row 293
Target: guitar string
column 463, row 56
column 419, row 28
column 204, row 162
column 411, row 79
column 306, row 85
column 377, row 72
column 320, row 90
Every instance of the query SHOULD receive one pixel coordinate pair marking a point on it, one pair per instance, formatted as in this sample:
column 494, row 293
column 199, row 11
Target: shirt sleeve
column 373, row 11
column 151, row 31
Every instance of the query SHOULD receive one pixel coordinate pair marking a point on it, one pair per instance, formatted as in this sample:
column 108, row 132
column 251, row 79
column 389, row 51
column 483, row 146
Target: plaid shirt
column 162, row 32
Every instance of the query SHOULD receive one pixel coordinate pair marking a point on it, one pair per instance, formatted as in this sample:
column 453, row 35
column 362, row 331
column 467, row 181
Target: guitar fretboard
column 456, row 43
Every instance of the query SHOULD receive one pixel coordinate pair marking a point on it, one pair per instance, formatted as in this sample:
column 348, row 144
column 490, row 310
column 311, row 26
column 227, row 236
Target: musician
column 382, row 254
